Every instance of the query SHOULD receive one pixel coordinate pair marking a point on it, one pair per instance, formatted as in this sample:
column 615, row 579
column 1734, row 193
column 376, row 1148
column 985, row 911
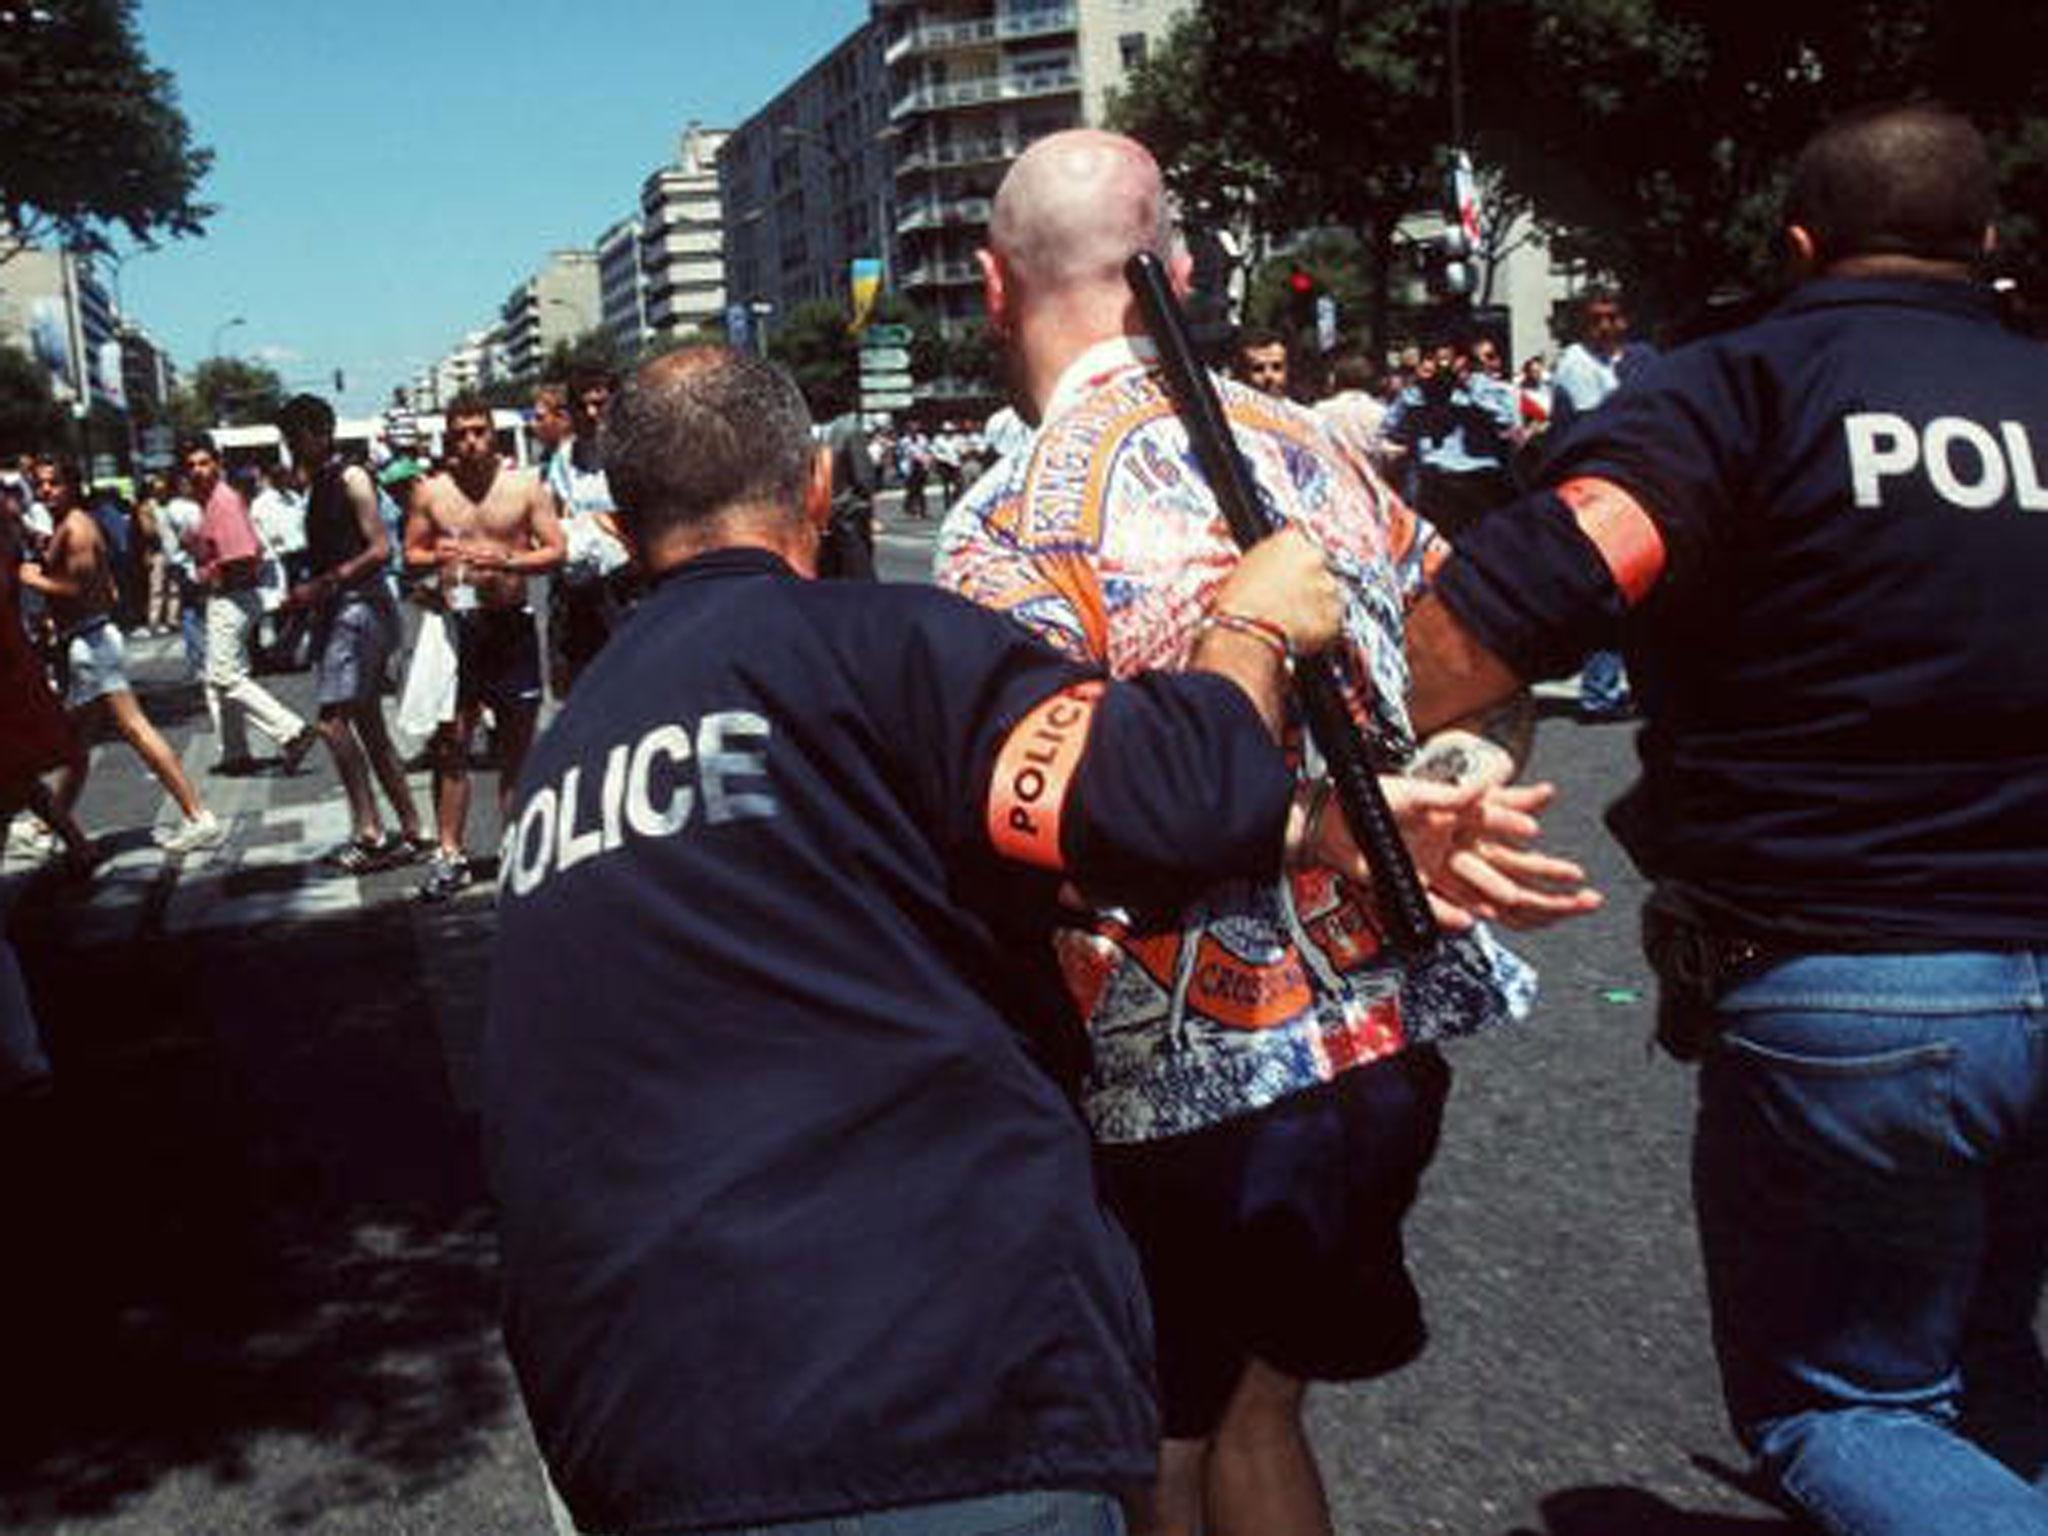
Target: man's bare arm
column 550, row 544
column 1451, row 675
column 422, row 535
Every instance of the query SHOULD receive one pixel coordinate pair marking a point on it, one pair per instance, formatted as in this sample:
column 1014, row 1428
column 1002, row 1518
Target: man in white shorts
column 74, row 578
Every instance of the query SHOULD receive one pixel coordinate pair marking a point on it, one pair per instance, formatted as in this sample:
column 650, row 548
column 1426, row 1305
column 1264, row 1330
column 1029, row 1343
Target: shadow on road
column 1614, row 1511
column 251, row 1214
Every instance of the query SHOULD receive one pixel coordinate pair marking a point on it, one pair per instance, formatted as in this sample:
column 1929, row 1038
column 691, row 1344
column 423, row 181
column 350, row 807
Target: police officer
column 794, row 1224
column 1822, row 540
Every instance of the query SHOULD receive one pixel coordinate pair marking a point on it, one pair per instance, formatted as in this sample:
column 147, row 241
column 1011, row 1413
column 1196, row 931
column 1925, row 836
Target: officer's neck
column 1924, row 269
column 793, row 538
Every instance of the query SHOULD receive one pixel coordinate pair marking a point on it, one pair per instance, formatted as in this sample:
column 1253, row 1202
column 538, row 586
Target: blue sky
column 387, row 170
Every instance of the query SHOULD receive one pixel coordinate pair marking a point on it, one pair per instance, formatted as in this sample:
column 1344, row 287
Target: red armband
column 1622, row 531
column 1035, row 773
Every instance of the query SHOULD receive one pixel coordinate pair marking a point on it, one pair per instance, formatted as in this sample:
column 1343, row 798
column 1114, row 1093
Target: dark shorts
column 1277, row 1235
column 497, row 658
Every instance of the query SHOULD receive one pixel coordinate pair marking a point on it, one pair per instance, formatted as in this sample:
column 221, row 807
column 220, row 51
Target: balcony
column 980, row 90
column 933, row 212
column 1040, row 21
column 936, row 36
column 990, row 151
column 980, row 31
column 942, row 274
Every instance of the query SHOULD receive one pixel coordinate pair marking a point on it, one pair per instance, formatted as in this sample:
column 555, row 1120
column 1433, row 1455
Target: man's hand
column 1471, row 844
column 1286, row 581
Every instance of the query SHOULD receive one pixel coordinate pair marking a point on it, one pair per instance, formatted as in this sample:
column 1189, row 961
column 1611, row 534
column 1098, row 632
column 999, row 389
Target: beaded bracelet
column 1265, row 631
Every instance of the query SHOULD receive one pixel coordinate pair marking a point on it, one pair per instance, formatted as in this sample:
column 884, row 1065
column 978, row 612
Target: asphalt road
column 247, row 1277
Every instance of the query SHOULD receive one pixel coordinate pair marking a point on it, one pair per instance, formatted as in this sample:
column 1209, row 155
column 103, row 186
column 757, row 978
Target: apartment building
column 806, row 182
column 557, row 304
column 682, row 252
column 622, row 286
column 54, row 307
column 971, row 83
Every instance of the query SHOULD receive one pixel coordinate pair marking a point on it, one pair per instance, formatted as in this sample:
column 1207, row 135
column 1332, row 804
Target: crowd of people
column 945, row 1062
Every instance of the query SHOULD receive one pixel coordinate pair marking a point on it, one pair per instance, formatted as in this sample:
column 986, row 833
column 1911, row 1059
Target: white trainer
column 197, row 832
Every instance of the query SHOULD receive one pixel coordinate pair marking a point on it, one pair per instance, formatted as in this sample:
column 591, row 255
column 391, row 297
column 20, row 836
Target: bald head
column 1074, row 208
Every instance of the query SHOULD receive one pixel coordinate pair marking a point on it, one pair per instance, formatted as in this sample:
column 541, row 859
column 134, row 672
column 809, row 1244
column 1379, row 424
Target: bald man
column 1262, row 1092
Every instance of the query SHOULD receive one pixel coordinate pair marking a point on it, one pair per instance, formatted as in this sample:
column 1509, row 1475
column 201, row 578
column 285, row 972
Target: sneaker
column 197, row 832
column 31, row 840
column 397, row 849
column 296, row 749
column 447, row 873
column 356, row 857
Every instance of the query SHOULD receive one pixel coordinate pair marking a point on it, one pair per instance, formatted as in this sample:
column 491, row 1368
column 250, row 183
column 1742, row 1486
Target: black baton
column 1410, row 926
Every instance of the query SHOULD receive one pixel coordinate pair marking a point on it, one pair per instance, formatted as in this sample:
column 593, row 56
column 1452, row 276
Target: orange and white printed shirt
column 1104, row 539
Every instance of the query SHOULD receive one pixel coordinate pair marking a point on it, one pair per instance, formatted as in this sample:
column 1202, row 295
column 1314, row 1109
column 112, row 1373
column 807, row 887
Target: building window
column 1131, row 49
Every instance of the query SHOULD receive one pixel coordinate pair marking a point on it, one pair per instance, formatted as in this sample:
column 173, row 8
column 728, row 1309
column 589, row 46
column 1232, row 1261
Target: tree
column 1651, row 138
column 1324, row 112
column 227, row 391
column 813, row 343
column 1655, row 136
column 91, row 137
column 596, row 348
column 823, row 356
column 1334, row 264
column 32, row 419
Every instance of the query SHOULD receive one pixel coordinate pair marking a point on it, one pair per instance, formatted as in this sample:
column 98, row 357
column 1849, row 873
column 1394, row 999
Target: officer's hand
column 1286, row 581
column 1471, row 846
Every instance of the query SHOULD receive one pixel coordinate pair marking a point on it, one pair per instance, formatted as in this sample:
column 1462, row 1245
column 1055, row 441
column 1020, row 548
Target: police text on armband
column 643, row 789
column 1967, row 463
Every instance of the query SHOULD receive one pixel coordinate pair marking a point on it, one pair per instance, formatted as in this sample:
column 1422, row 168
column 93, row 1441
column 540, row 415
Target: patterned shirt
column 1104, row 538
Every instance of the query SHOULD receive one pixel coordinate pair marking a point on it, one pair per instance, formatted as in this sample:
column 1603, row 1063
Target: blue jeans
column 1038, row 1513
column 1603, row 684
column 1871, row 1178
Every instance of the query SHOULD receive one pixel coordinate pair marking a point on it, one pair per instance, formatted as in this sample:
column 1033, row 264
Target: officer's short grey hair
column 701, row 431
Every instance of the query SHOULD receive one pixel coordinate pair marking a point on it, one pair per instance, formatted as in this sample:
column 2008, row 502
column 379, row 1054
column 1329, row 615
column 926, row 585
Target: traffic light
column 340, row 388
column 1302, row 292
column 1451, row 273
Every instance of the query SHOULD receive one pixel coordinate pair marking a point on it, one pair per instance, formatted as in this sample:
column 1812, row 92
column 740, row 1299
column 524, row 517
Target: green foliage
column 91, row 137
column 593, row 349
column 32, row 419
column 1334, row 258
column 228, row 391
column 1656, row 136
column 1324, row 112
column 1651, row 138
column 813, row 343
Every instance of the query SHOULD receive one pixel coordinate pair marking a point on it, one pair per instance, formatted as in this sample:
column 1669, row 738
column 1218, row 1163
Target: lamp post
column 221, row 330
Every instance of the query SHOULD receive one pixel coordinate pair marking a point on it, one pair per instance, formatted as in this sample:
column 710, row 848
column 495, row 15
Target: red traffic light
column 1301, row 282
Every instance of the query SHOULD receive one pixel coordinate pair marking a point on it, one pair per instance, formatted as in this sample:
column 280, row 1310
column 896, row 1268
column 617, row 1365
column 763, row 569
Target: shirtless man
column 76, row 580
column 483, row 530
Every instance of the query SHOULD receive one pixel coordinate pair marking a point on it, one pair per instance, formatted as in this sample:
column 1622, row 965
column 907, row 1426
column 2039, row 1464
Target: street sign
column 1326, row 323
column 884, row 359
column 886, row 336
column 885, row 400
column 884, row 381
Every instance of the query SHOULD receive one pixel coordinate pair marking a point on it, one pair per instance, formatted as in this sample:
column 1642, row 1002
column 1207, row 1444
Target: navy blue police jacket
column 797, row 1216
column 1823, row 539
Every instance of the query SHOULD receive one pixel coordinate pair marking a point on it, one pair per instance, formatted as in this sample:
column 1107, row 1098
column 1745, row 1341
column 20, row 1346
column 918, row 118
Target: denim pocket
column 1859, row 1095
